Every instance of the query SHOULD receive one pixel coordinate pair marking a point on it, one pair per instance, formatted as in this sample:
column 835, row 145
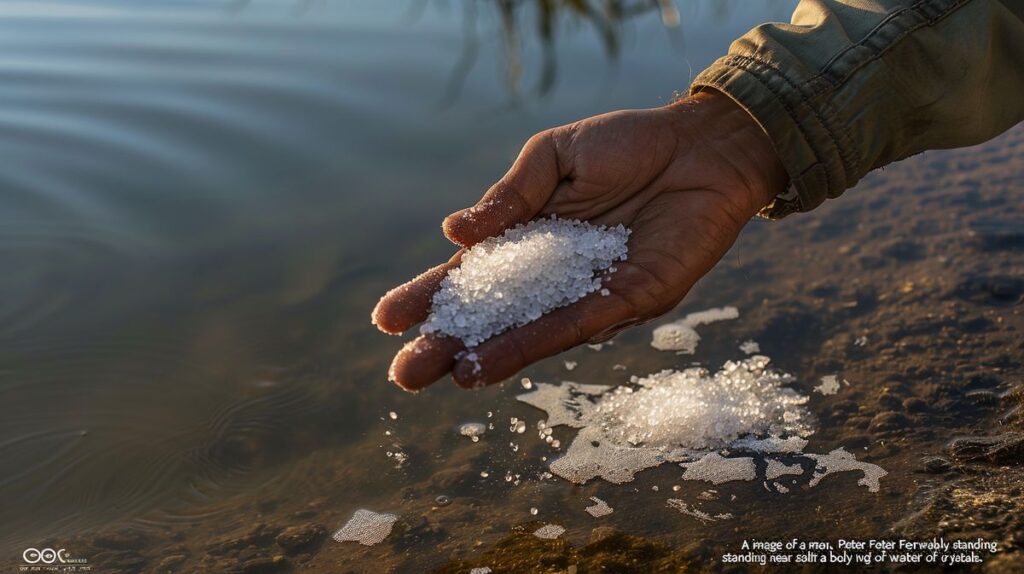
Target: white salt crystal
column 595, row 346
column 693, row 511
column 717, row 469
column 481, row 570
column 570, row 365
column 527, row 383
column 393, row 415
column 473, row 430
column 534, row 511
column 750, row 347
column 530, row 270
column 599, row 508
column 682, row 336
column 549, row 531
column 366, row 527
column 669, row 415
column 841, row 461
column 782, row 489
column 693, row 409
column 829, row 385
column 776, row 469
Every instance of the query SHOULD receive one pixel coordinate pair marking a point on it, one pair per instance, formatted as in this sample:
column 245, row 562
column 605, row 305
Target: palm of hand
column 647, row 169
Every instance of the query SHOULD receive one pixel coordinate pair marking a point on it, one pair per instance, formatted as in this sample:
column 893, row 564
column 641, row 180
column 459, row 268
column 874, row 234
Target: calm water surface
column 201, row 202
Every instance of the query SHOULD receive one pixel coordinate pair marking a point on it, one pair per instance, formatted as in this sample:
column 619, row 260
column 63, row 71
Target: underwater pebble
column 366, row 527
column 530, row 270
column 443, row 500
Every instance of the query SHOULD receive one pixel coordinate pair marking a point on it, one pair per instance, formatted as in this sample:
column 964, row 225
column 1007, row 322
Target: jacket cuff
column 803, row 135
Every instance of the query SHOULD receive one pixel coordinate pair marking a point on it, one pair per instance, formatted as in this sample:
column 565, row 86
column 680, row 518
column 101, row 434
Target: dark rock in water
column 915, row 405
column 264, row 565
column 304, row 538
column 998, row 235
column 986, row 398
column 171, row 563
column 1006, row 448
column 992, row 290
column 936, row 464
column 903, row 250
column 259, row 536
column 124, row 561
column 888, row 421
column 888, row 401
column 123, row 539
column 422, row 532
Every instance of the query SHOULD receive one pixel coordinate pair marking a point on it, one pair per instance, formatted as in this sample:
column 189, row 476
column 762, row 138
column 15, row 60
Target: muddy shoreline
column 911, row 287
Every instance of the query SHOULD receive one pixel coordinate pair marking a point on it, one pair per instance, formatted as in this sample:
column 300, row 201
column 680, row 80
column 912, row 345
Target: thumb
column 515, row 198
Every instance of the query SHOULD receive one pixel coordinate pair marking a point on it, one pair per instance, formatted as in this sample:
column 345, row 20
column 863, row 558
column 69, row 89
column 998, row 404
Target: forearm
column 852, row 85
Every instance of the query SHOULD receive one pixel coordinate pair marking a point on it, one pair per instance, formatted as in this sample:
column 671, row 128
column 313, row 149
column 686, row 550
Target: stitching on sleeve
column 842, row 142
column 745, row 64
column 940, row 9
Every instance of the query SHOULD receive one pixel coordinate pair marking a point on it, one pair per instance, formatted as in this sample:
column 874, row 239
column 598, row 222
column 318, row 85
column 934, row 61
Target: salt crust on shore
column 549, row 532
column 366, row 527
column 681, row 336
column 599, row 508
column 530, row 270
column 693, row 418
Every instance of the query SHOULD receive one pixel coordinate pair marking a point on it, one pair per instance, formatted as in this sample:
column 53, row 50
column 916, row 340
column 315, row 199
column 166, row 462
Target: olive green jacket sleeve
column 852, row 85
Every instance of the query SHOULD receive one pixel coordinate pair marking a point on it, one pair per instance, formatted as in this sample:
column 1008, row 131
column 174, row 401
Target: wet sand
column 910, row 287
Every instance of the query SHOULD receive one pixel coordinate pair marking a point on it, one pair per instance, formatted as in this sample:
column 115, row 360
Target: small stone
column 888, row 421
column 295, row 539
column 262, row 566
column 915, row 405
column 936, row 465
column 171, row 563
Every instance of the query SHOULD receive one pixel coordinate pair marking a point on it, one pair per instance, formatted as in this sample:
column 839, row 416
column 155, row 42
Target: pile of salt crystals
column 530, row 270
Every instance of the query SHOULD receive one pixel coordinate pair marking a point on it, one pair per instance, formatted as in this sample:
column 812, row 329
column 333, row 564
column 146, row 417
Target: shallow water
column 201, row 202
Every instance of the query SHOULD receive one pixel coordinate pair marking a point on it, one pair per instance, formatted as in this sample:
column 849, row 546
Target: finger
column 561, row 329
column 424, row 360
column 409, row 304
column 515, row 198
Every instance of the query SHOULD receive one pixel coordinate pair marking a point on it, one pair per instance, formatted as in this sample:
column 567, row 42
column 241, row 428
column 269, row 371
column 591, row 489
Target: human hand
column 685, row 178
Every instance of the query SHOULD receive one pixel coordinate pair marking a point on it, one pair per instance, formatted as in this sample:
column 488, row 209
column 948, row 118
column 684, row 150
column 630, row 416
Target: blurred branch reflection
column 544, row 20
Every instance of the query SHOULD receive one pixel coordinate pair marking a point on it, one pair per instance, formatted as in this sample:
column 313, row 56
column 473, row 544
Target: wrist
column 737, row 140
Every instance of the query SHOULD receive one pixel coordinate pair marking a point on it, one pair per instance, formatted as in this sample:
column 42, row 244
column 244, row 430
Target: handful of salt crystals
column 510, row 280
